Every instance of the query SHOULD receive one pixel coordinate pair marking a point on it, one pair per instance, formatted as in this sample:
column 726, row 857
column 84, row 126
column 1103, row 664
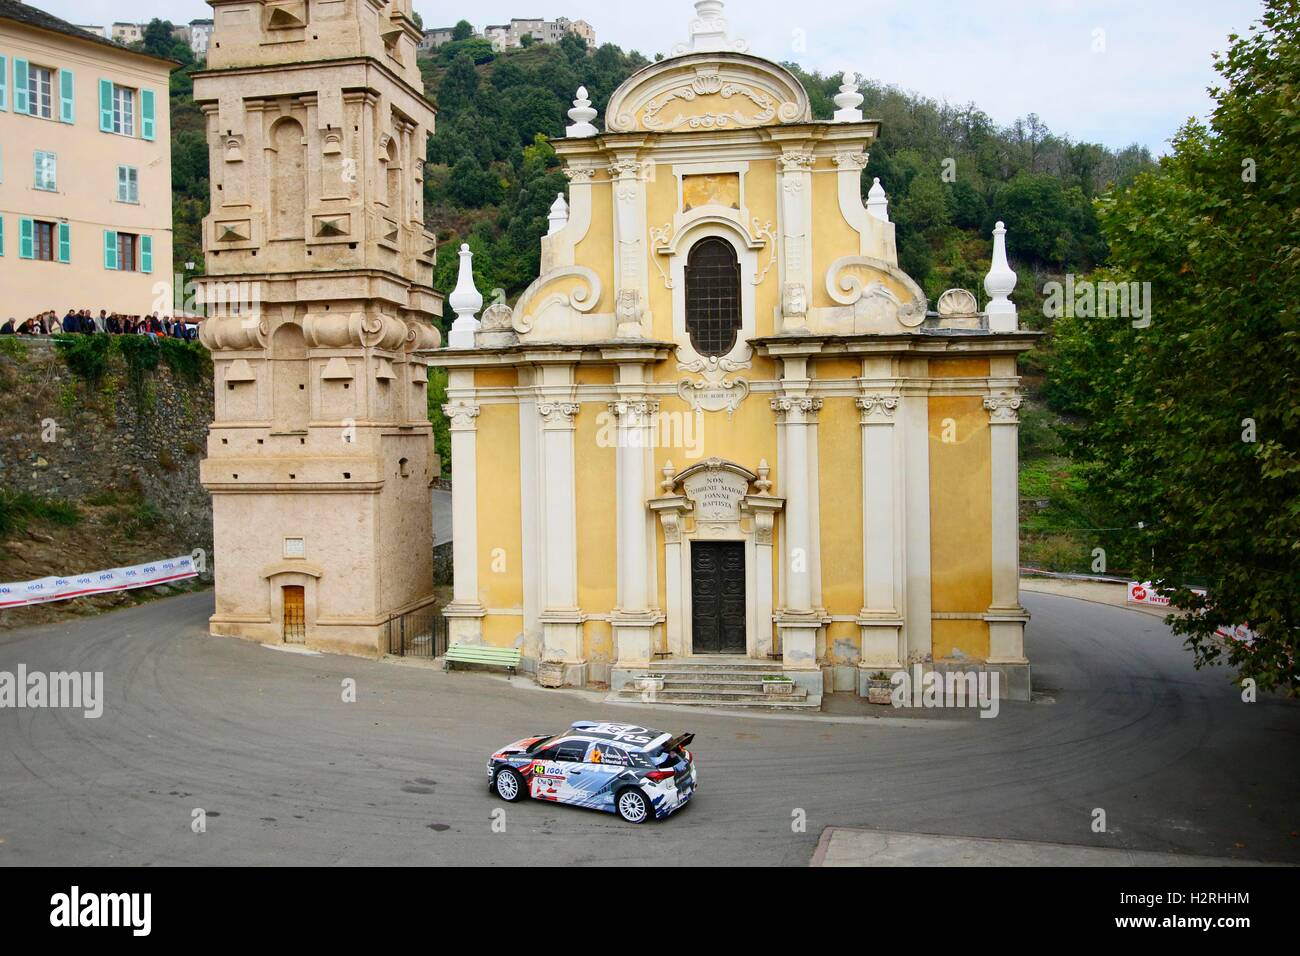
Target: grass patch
column 20, row 509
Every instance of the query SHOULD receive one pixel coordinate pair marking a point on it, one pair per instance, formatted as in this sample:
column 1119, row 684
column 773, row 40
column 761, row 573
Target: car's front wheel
column 633, row 806
column 509, row 785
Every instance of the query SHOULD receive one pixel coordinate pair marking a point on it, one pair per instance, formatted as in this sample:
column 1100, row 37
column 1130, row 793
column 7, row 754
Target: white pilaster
column 795, row 190
column 632, row 290
column 634, row 619
column 796, row 413
column 881, row 618
column 465, row 613
column 561, row 618
column 1006, row 617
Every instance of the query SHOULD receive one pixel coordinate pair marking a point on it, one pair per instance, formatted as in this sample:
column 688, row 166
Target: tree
column 1192, row 424
column 463, row 30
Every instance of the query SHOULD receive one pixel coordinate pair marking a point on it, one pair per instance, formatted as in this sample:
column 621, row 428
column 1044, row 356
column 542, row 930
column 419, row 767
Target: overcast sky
column 1110, row 71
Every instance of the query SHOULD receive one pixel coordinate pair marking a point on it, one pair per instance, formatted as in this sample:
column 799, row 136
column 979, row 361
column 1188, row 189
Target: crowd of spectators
column 84, row 322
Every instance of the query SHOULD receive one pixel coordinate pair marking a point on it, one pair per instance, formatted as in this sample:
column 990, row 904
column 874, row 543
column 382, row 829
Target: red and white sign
column 1144, row 593
column 44, row 590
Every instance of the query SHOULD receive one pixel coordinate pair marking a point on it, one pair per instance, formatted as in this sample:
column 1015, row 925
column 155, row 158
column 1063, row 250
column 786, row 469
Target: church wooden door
column 718, row 597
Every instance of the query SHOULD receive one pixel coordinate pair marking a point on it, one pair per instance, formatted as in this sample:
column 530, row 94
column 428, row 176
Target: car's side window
column 602, row 753
column 544, row 755
column 571, row 751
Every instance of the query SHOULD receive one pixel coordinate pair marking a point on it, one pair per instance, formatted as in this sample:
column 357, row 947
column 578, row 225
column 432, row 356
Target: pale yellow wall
column 594, row 476
column 499, row 509
column 596, row 250
column 87, row 182
column 961, row 525
column 502, row 630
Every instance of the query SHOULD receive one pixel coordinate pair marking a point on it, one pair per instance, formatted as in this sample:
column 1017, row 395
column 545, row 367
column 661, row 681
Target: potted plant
column 773, row 684
column 880, row 689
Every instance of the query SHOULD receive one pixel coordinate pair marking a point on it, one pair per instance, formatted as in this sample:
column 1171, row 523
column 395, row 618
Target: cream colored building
column 723, row 428
column 320, row 457
column 85, row 170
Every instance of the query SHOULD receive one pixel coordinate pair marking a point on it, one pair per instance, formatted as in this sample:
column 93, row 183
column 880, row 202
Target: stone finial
column 559, row 215
column 877, row 201
column 582, row 114
column 465, row 301
column 848, row 99
column 668, row 485
column 709, row 32
column 763, row 483
column 999, row 284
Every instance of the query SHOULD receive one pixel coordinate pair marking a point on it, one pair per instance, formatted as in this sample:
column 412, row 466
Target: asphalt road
column 288, row 773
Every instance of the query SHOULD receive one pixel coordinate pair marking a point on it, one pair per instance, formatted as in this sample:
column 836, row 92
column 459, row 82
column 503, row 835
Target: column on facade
column 1006, row 617
column 881, row 618
column 561, row 618
column 634, row 618
column 796, row 413
column 465, row 612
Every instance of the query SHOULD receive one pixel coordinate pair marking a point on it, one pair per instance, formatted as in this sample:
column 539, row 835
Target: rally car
column 633, row 771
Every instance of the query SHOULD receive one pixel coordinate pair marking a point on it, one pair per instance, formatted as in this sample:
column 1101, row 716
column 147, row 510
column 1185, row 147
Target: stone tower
column 319, row 295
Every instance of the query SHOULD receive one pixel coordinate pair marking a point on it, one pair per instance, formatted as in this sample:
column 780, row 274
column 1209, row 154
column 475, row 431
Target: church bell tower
column 319, row 296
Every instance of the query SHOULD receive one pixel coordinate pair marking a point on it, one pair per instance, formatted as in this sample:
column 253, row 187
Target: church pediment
column 707, row 92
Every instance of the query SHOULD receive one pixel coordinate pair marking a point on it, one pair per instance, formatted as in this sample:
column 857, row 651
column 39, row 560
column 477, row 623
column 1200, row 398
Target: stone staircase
column 732, row 682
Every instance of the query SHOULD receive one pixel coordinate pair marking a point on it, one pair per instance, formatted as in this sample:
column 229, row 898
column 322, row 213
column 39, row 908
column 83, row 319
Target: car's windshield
column 544, row 742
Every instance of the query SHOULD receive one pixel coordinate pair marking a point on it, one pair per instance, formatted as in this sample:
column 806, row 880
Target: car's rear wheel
column 633, row 806
column 509, row 785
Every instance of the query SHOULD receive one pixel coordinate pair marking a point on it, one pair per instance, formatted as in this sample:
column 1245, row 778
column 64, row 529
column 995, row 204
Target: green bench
column 507, row 657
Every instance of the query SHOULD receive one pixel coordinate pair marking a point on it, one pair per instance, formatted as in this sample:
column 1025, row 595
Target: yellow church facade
column 722, row 424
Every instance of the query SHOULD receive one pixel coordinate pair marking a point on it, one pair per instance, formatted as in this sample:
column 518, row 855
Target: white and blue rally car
column 633, row 771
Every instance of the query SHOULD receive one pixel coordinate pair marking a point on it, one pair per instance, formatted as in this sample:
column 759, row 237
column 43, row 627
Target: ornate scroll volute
column 234, row 333
column 421, row 335
column 378, row 330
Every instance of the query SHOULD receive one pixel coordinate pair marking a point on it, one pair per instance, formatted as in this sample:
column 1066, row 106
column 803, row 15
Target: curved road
column 289, row 773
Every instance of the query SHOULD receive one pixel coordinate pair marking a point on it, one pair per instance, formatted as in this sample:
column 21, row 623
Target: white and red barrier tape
column 45, row 590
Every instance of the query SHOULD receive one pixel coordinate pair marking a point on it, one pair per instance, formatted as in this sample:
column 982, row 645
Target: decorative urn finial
column 848, row 100
column 465, row 301
column 582, row 114
column 877, row 201
column 999, row 284
column 559, row 215
column 709, row 32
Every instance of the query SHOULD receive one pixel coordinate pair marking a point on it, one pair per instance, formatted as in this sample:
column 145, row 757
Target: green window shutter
column 146, row 115
column 110, row 250
column 121, row 184
column 106, row 106
column 2, row 235
column 67, row 97
column 20, row 86
column 26, row 239
column 146, row 253
column 4, row 84
column 65, row 242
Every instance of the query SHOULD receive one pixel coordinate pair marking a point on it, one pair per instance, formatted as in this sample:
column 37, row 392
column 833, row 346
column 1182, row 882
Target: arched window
column 713, row 317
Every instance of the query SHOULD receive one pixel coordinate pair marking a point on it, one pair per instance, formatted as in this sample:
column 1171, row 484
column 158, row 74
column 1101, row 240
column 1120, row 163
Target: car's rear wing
column 678, row 743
